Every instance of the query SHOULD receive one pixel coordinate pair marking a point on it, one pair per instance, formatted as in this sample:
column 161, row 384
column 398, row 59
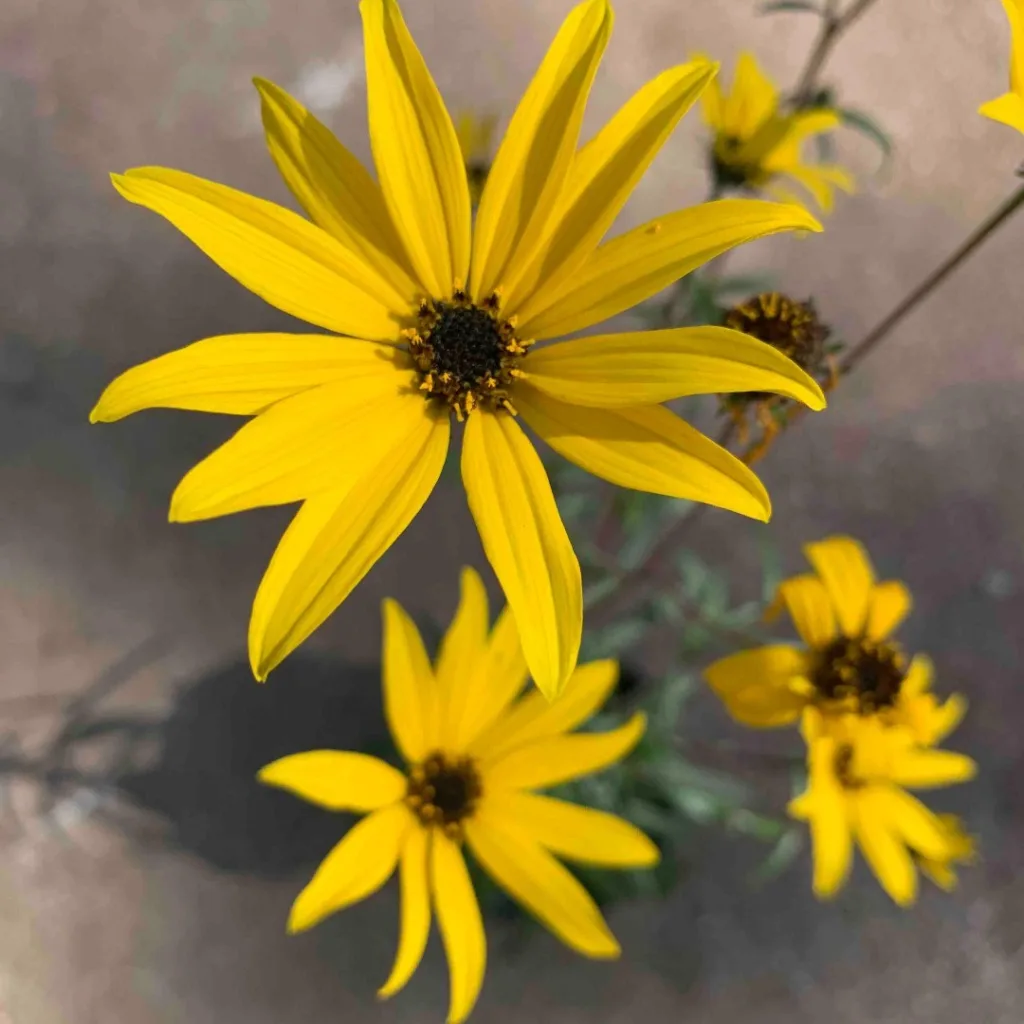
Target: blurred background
column 144, row 877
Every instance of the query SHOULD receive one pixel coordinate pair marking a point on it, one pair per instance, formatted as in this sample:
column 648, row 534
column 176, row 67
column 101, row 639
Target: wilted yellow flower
column 474, row 752
column 440, row 316
column 475, row 142
column 757, row 141
column 1009, row 108
column 850, row 663
column 858, row 770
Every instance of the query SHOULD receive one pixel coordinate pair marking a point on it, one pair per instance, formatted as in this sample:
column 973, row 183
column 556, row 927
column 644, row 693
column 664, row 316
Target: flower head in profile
column 475, row 751
column 476, row 134
column 860, row 770
column 1009, row 108
column 757, row 141
column 849, row 663
column 434, row 319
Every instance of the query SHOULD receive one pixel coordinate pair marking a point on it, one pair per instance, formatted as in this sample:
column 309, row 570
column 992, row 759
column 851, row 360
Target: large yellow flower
column 1009, row 108
column 434, row 316
column 757, row 141
column 474, row 753
column 850, row 664
column 858, row 771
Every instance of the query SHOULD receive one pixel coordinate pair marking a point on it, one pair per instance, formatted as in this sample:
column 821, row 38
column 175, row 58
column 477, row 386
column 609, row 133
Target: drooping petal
column 532, row 877
column 339, row 780
column 604, row 173
column 514, row 508
column 416, row 151
column 335, row 539
column 528, row 174
column 414, row 928
column 810, row 608
column 845, row 569
column 765, row 687
column 462, row 928
column 820, row 181
column 410, row 690
column 647, row 448
column 356, row 868
column 636, row 265
column 918, row 827
column 576, row 833
column 647, row 367
column 561, row 758
column 285, row 260
column 926, row 769
column 334, row 188
column 884, row 849
column 889, row 603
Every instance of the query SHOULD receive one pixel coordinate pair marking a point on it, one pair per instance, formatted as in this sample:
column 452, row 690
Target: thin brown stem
column 834, row 23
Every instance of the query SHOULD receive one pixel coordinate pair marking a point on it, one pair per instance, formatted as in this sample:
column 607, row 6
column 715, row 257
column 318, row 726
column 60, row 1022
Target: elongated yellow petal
column 636, row 265
column 334, row 188
column 884, row 849
column 511, row 500
column 339, row 780
column 845, row 569
column 752, row 100
column 819, row 181
column 810, row 608
column 576, row 833
column 416, row 151
column 410, row 690
column 645, row 367
column 926, row 769
column 604, row 173
column 356, row 868
column 322, row 440
column 889, row 603
column 532, row 877
column 711, row 99
column 533, row 162
column 335, row 539
column 462, row 928
column 1007, row 109
column 762, row 688
column 918, row 827
column 534, row 717
column 285, row 260
column 414, row 928
column 647, row 448
column 239, row 374
column 547, row 762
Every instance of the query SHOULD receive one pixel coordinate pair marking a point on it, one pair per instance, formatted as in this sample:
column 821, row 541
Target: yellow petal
column 416, row 151
column 884, row 850
column 415, row 924
column 322, row 440
column 752, row 100
column 285, row 260
column 911, row 821
column 577, row 833
column 636, row 265
column 711, row 99
column 534, row 717
column 532, row 877
column 889, row 603
column 335, row 539
column 524, row 539
column 529, row 172
column 1015, row 14
column 762, row 688
column 845, row 569
column 925, row 769
column 647, row 448
column 356, row 868
column 410, row 690
column 810, row 608
column 334, row 188
column 604, row 173
column 462, row 928
column 339, row 780
column 547, row 762
column 1007, row 109
column 832, row 843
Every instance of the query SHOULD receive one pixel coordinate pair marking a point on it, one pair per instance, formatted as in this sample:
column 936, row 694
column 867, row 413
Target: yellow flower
column 961, row 849
column 474, row 752
column 757, row 141
column 858, row 771
column 845, row 618
column 435, row 316
column 1009, row 108
column 475, row 135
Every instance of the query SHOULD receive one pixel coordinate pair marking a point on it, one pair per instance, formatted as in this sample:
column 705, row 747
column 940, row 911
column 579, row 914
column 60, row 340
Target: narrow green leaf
column 776, row 6
column 864, row 124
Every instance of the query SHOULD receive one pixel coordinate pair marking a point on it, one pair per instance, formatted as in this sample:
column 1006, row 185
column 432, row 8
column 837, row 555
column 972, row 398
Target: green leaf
column 776, row 6
column 785, row 851
column 864, row 124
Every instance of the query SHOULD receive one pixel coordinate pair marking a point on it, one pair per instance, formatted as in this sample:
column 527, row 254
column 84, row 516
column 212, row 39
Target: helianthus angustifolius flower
column 1009, row 108
column 849, row 663
column 475, row 751
column 859, row 772
column 434, row 318
column 757, row 142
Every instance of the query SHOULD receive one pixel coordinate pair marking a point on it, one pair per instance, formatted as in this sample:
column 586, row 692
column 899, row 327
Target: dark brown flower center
column 869, row 672
column 444, row 791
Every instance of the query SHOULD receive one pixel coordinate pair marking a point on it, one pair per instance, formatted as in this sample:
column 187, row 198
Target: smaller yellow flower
column 1009, row 108
column 858, row 771
column 757, row 141
column 475, row 749
column 850, row 663
column 476, row 141
column 961, row 849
